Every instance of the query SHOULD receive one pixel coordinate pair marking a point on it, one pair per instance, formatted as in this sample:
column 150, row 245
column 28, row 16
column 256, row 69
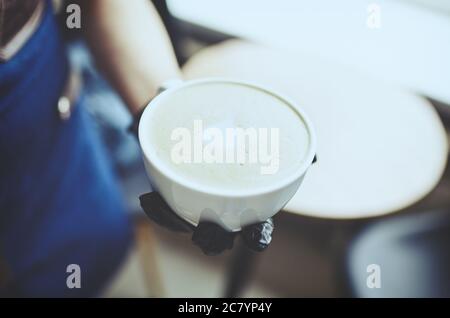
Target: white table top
column 410, row 49
column 380, row 149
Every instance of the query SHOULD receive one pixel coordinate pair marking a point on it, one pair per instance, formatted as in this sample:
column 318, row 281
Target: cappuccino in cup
column 219, row 145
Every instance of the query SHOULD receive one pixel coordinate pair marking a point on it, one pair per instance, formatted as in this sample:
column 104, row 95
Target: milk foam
column 226, row 106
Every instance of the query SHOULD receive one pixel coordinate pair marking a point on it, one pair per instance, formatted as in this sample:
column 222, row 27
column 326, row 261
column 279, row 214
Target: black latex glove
column 212, row 238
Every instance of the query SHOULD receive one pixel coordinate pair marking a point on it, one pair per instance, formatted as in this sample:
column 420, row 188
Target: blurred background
column 375, row 77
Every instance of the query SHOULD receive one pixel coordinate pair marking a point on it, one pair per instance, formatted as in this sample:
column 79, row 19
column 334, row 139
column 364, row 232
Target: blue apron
column 59, row 200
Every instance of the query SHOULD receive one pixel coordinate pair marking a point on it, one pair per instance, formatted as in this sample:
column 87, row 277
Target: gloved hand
column 212, row 238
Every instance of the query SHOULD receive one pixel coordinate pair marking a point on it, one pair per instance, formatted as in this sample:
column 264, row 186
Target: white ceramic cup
column 231, row 209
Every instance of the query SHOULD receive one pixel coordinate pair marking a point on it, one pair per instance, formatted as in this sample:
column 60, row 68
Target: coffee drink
column 227, row 136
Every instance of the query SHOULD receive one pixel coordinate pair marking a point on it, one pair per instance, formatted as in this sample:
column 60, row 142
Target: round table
column 380, row 148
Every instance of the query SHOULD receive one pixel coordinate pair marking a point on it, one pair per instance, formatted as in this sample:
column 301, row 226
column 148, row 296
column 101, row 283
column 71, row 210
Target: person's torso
column 59, row 200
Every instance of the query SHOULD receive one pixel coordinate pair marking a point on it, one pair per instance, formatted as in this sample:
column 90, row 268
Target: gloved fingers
column 209, row 236
column 258, row 236
column 157, row 209
column 212, row 238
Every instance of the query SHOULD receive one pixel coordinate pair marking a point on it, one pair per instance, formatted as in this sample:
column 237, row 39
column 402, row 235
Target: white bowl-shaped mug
column 231, row 209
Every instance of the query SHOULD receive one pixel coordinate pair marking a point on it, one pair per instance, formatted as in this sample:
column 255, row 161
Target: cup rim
column 149, row 153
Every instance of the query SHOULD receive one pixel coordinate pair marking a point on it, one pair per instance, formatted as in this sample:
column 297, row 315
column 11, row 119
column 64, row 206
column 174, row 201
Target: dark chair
column 412, row 252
